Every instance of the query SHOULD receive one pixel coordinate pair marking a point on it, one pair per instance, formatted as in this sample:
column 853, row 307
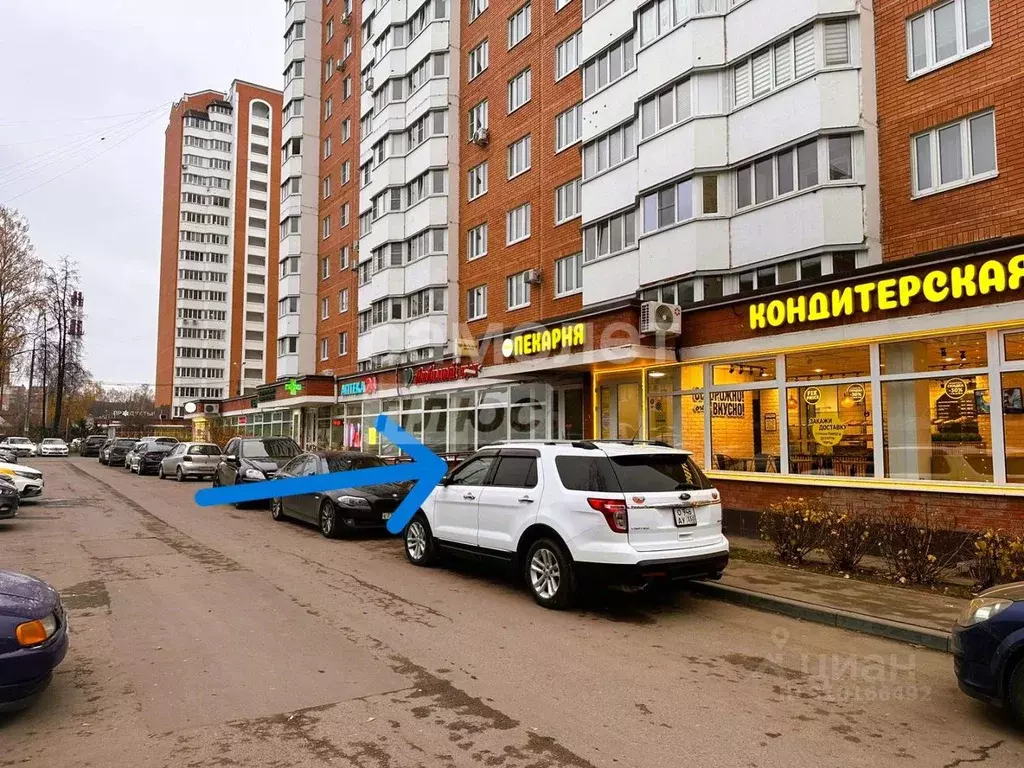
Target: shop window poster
column 1013, row 401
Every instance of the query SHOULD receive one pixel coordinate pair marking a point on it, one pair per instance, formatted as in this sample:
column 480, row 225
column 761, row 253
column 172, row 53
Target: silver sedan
column 190, row 460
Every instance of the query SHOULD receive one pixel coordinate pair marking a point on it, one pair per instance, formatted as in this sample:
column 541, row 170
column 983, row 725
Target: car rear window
column 345, row 463
column 586, row 473
column 125, row 443
column 658, row 473
column 204, row 450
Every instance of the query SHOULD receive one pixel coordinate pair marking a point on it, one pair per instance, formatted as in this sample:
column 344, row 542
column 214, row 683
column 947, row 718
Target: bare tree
column 62, row 305
column 19, row 294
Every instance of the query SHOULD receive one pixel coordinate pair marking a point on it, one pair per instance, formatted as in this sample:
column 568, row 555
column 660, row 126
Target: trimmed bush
column 793, row 527
column 918, row 548
column 846, row 539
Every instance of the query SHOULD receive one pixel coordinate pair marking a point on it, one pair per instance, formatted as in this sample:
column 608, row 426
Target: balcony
column 387, row 282
column 699, row 42
column 294, row 89
column 610, row 191
column 429, row 212
column 606, row 26
column 432, row 153
column 826, row 100
column 753, row 24
column 698, row 143
column 292, row 166
column 295, row 12
column 296, row 51
column 610, row 107
column 426, row 272
column 826, row 217
column 698, row 245
column 288, row 325
column 433, row 93
column 389, row 227
column 433, row 38
column 383, row 339
column 429, row 329
column 611, row 277
column 389, row 173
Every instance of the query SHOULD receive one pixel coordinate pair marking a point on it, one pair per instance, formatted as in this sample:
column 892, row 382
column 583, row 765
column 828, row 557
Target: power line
column 87, row 160
column 83, row 119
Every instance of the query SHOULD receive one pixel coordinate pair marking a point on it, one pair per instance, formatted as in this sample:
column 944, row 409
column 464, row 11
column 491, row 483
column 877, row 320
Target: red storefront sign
column 242, row 419
column 439, row 374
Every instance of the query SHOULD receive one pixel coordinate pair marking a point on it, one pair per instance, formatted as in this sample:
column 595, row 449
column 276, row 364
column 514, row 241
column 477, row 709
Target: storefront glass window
column 463, row 400
column 391, row 405
column 934, row 355
column 1013, row 420
column 435, row 430
column 462, row 431
column 628, row 401
column 412, row 404
column 605, row 396
column 745, row 372
column 830, row 429
column 840, row 363
column 933, row 428
column 744, row 429
column 527, row 422
column 1013, row 344
column 491, row 426
column 494, row 396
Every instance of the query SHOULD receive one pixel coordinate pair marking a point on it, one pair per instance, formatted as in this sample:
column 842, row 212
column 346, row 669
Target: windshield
column 159, row 447
column 169, row 440
column 96, row 439
column 125, row 443
column 345, row 463
column 53, row 441
column 656, row 473
column 279, row 448
column 17, row 440
column 204, row 450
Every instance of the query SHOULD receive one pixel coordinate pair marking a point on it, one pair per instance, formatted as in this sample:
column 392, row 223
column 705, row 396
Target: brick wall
column 342, row 194
column 992, row 78
column 548, row 170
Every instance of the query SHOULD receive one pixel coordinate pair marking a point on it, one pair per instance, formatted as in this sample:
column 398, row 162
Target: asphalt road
column 218, row 637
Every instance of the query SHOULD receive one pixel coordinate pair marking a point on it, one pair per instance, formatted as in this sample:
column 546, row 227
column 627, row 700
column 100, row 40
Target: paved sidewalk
column 908, row 615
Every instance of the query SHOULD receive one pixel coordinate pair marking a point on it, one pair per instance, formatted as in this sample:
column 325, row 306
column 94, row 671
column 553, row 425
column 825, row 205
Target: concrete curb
column 832, row 617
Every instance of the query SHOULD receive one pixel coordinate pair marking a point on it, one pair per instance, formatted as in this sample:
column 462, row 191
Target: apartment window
column 330, row 29
column 348, row 46
column 560, row 4
column 326, row 227
column 478, row 118
column 670, row 106
column 840, row 158
column 518, row 26
column 773, row 176
column 346, row 130
column 956, row 154
column 325, row 268
column 346, row 88
column 567, row 55
column 592, row 6
column 343, row 343
column 346, row 172
column 616, row 146
column 569, row 275
column 947, row 32
column 517, row 224
column 611, row 236
column 327, row 187
column 477, row 181
column 777, row 65
column 476, row 245
column 568, row 203
column 327, row 147
column 328, row 107
column 519, row 157
column 608, row 66
column 476, row 303
column 328, row 68
column 344, row 215
column 568, row 127
column 343, row 301
column 837, row 43
column 343, row 258
column 478, row 59
column 519, row 90
column 324, row 352
column 672, row 205
column 476, row 7
column 325, row 308
column 517, row 290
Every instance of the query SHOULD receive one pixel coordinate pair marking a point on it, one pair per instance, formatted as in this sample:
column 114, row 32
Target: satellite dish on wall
column 191, row 407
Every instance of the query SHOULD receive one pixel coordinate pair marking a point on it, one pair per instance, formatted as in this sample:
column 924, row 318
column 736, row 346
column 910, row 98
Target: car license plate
column 685, row 516
column 385, row 515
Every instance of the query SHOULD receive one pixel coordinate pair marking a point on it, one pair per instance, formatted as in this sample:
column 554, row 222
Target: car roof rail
column 622, row 441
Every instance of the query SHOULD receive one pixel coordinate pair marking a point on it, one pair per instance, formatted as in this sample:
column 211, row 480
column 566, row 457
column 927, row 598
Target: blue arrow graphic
column 426, row 468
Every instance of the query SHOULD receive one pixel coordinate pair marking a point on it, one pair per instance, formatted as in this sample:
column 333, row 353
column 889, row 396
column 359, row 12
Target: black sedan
column 339, row 512
column 146, row 456
column 33, row 638
column 91, row 445
column 9, row 498
column 253, row 459
column 988, row 648
column 114, row 451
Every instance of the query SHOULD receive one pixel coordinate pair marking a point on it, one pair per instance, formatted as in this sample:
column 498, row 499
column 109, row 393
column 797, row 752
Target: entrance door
column 620, row 411
column 567, row 414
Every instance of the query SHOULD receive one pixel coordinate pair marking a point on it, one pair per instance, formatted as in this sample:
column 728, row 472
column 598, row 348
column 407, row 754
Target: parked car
column 157, row 439
column 10, row 499
column 33, row 638
column 345, row 510
column 568, row 513
column 53, row 446
column 91, row 445
column 190, row 460
column 9, row 456
column 147, row 455
column 76, row 444
column 21, row 446
column 27, row 480
column 254, row 459
column 988, row 648
column 114, row 450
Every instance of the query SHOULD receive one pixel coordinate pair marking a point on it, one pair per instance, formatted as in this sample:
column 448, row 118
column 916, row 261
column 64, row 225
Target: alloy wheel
column 327, row 519
column 416, row 540
column 179, row 475
column 545, row 574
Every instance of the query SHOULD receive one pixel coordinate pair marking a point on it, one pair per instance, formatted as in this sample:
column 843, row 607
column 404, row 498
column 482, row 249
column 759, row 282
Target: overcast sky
column 68, row 60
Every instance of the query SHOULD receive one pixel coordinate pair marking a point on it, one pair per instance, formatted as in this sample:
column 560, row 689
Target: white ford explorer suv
column 565, row 513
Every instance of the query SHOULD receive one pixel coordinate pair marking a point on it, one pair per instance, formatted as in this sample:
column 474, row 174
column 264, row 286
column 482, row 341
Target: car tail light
column 186, row 457
column 614, row 511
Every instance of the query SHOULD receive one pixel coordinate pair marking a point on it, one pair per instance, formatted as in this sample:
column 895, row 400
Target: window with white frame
column 592, row 6
column 324, row 351
column 955, row 154
column 325, row 268
column 775, row 66
column 613, row 235
column 947, row 32
column 568, row 127
column 343, row 301
column 344, row 215
column 325, row 308
column 476, row 7
column 680, row 202
column 478, row 118
column 477, row 183
column 346, row 130
column 836, row 40
column 343, row 343
column 789, row 171
column 327, row 187
column 517, row 290
column 518, row 160
column 327, row 147
column 326, row 228
column 616, row 146
column 343, row 258
column 328, row 107
column 518, row 26
column 519, row 90
column 476, row 242
column 478, row 59
column 328, row 68
column 476, row 302
column 346, row 172
column 567, row 55
column 670, row 106
column 560, row 4
column 517, row 224
column 569, row 275
column 568, row 202
column 608, row 66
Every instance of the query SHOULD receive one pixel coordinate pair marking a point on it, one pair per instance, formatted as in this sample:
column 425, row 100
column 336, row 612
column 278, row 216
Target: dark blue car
column 33, row 638
column 988, row 648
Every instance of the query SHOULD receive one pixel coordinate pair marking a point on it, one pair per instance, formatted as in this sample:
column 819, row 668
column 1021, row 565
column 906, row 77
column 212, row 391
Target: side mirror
column 446, row 480
column 230, row 458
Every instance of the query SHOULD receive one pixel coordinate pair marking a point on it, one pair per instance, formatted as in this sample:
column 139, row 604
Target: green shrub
column 846, row 538
column 793, row 528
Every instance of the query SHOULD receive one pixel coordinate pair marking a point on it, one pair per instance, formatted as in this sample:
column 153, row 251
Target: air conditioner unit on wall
column 533, row 276
column 369, row 84
column 656, row 317
column 481, row 136
column 346, row 19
